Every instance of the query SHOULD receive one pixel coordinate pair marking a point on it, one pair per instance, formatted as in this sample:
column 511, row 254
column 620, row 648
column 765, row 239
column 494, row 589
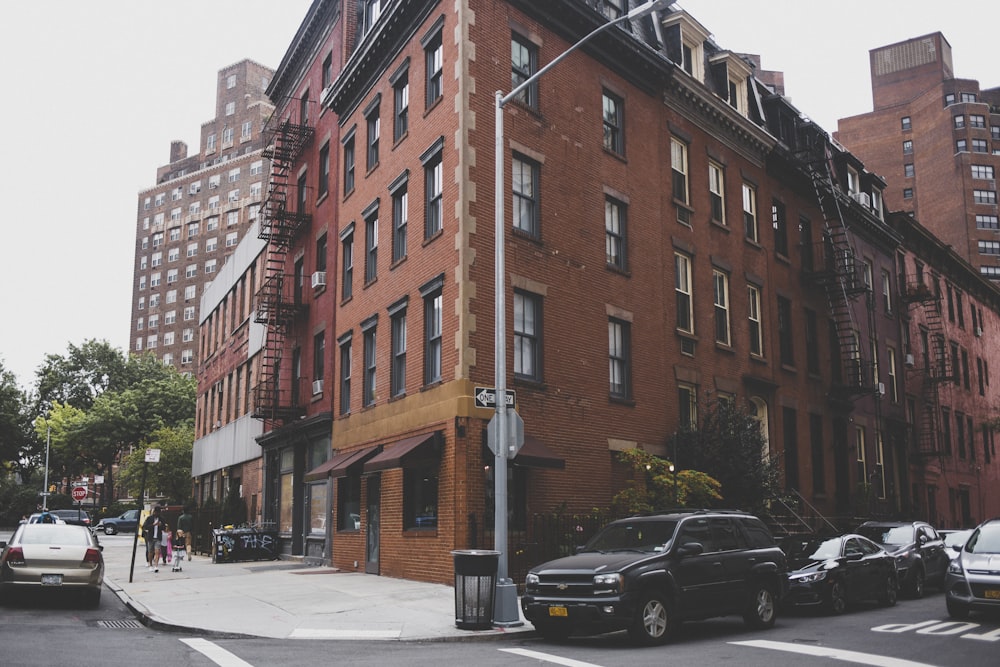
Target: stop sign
column 79, row 493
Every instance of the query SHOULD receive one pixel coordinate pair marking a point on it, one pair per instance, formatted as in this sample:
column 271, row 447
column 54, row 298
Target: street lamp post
column 505, row 608
column 45, row 488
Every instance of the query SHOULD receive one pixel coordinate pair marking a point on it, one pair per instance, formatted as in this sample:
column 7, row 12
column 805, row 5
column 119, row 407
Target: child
column 179, row 548
column 168, row 537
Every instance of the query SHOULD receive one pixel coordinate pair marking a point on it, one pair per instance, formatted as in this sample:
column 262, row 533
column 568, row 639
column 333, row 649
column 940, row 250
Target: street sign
column 486, row 397
column 79, row 493
column 515, row 433
column 152, row 456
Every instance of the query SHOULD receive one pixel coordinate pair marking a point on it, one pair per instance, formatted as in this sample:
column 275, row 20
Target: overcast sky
column 95, row 91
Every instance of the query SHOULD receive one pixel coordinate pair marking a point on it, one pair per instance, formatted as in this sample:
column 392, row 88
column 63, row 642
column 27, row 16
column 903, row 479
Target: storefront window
column 349, row 502
column 285, row 510
column 317, row 508
column 420, row 496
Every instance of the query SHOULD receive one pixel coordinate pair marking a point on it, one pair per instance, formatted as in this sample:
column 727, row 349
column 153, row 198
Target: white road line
column 837, row 654
column 215, row 653
column 545, row 657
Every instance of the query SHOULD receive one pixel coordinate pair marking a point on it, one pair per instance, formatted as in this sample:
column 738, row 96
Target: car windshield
column 985, row 540
column 958, row 538
column 813, row 549
column 888, row 534
column 64, row 534
column 633, row 536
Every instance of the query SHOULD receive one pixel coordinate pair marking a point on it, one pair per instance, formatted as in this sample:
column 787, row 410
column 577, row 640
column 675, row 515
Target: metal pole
column 45, row 488
column 138, row 527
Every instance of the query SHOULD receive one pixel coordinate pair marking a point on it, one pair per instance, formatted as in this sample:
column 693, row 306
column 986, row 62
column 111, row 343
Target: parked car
column 973, row 581
column 52, row 556
column 834, row 572
column 920, row 553
column 76, row 517
column 646, row 574
column 954, row 540
column 126, row 522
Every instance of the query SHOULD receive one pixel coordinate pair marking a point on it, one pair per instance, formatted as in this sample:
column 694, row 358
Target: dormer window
column 730, row 74
column 684, row 38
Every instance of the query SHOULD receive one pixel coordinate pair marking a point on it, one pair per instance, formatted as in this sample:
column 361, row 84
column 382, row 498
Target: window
column 348, row 144
column 525, row 190
column 151, row 341
column 374, row 130
column 210, row 266
column 750, row 229
column 987, row 221
column 682, row 292
column 246, row 130
column 979, row 146
column 157, row 259
column 319, row 358
column 420, row 497
column 893, row 388
column 187, row 335
column 193, row 229
column 615, row 246
column 679, row 178
column 977, row 120
column 619, row 358
column 321, row 251
column 368, row 379
column 397, row 377
column 371, row 244
column 154, row 300
column 349, row 502
column 154, row 321
column 984, row 196
column 785, row 332
column 347, row 248
column 232, row 238
column 720, row 282
column 154, row 280
column 211, row 244
column 230, row 108
column 159, row 199
column 188, row 313
column 949, row 98
column 961, row 146
column 210, row 145
column 780, row 225
column 234, row 175
column 687, row 406
column 958, row 121
column 139, row 324
column 982, row 171
column 400, row 218
column 323, row 186
column 524, row 64
column 433, row 190
column 908, row 170
column 401, row 104
column 905, row 123
column 433, row 328
column 171, row 276
column 345, row 375
column 433, row 56
column 327, row 76
column 142, row 302
column 142, row 282
column 756, row 324
column 168, row 337
column 232, row 218
column 907, row 193
column 968, row 97
column 227, row 137
column 886, row 292
column 187, row 356
column 614, row 123
column 717, row 193
column 907, row 147
column 527, row 335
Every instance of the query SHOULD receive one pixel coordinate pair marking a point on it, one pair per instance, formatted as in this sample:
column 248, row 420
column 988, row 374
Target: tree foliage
column 15, row 432
column 731, row 447
column 171, row 476
column 81, row 375
column 654, row 487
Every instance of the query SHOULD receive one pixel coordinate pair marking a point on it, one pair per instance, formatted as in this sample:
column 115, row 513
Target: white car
column 41, row 517
column 954, row 540
column 973, row 582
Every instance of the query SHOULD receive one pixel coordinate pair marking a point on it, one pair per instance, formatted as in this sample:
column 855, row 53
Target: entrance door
column 373, row 520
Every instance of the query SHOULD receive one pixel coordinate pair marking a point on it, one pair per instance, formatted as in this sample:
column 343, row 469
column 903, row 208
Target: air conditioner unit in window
column 862, row 198
column 317, row 387
column 319, row 279
column 326, row 91
column 909, row 360
column 881, row 388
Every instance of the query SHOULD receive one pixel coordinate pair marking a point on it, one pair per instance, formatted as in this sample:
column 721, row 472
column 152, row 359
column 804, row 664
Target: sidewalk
column 285, row 600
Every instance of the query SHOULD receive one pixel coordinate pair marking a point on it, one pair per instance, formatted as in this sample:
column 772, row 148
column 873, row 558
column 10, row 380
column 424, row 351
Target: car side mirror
column 922, row 540
column 854, row 555
column 957, row 547
column 690, row 549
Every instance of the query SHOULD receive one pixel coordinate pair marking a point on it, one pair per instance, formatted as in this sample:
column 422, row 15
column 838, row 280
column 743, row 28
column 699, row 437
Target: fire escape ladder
column 839, row 277
column 936, row 369
column 281, row 219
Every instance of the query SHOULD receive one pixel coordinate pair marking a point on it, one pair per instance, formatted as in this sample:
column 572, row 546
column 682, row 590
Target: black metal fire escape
column 935, row 368
column 283, row 215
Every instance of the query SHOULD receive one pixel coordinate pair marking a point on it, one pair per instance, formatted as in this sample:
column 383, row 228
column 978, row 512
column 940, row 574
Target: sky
column 95, row 91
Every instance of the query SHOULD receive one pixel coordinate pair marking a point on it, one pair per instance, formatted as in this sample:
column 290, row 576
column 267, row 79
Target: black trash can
column 475, row 587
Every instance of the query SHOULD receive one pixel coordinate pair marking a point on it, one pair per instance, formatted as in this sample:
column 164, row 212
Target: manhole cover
column 129, row 624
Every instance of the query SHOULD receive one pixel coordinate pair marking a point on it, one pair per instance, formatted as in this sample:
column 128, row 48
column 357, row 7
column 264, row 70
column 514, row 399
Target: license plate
column 51, row 580
column 558, row 611
column 992, row 594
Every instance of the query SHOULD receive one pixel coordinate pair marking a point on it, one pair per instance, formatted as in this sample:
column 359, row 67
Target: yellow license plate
column 558, row 611
column 992, row 594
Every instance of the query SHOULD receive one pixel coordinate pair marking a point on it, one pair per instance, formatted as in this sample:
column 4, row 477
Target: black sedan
column 921, row 556
column 833, row 572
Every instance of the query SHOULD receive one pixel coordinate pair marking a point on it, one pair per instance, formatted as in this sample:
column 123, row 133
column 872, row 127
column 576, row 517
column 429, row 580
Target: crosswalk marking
column 216, row 653
column 837, row 654
column 546, row 657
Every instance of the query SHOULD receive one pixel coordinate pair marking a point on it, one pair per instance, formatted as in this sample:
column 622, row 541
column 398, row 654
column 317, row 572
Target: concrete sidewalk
column 285, row 600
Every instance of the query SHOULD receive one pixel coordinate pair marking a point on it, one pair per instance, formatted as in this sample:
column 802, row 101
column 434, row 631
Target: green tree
column 81, row 375
column 171, row 476
column 15, row 428
column 655, row 487
column 731, row 447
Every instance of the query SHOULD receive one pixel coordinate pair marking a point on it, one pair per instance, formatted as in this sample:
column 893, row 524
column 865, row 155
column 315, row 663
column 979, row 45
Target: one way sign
column 486, row 397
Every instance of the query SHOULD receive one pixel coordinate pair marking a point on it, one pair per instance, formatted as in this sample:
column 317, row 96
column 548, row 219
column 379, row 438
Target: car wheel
column 889, row 595
column 553, row 631
column 837, row 601
column 956, row 610
column 916, row 589
column 92, row 599
column 653, row 620
column 110, row 530
column 761, row 609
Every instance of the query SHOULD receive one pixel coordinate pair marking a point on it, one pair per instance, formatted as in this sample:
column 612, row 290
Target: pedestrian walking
column 179, row 550
column 185, row 523
column 152, row 532
column 166, row 544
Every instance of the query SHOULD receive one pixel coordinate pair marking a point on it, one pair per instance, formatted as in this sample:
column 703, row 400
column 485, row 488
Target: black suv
column 920, row 552
column 78, row 517
column 645, row 574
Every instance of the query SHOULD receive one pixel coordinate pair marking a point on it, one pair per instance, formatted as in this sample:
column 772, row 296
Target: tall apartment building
column 192, row 219
column 676, row 234
column 935, row 137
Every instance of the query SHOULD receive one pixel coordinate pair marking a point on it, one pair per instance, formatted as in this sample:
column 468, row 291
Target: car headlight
column 808, row 577
column 955, row 567
column 531, row 580
column 608, row 583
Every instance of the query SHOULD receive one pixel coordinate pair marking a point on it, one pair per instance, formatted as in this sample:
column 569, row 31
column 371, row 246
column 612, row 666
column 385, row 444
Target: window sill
column 396, row 142
column 754, row 244
column 721, row 226
column 530, row 383
column 615, row 154
column 322, row 198
column 620, row 400
column 398, row 262
column 346, row 300
column 420, row 532
column 430, row 239
column 620, row 271
column 724, row 347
